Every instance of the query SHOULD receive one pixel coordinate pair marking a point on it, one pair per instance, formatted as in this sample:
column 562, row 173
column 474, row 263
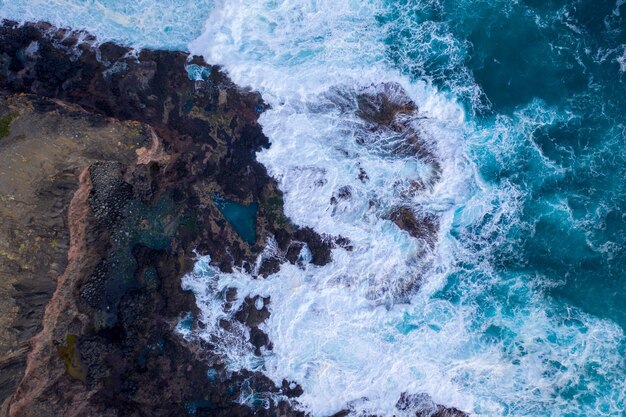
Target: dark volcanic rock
column 423, row 406
column 120, row 156
column 383, row 106
column 48, row 145
column 388, row 114
column 206, row 130
column 422, row 226
column 106, row 344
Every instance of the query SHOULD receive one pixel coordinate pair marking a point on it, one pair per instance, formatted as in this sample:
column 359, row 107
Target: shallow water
column 521, row 306
column 241, row 217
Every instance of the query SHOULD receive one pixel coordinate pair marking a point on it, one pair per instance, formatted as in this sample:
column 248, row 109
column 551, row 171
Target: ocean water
column 518, row 308
column 170, row 24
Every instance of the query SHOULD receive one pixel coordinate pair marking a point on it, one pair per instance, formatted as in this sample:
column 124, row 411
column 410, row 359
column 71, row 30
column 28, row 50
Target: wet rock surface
column 388, row 123
column 421, row 405
column 420, row 225
column 389, row 112
column 110, row 161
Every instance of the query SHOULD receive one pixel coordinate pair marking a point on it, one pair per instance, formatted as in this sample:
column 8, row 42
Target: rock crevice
column 110, row 161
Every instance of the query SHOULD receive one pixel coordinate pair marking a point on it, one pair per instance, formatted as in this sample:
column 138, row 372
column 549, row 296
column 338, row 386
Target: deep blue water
column 531, row 58
column 563, row 62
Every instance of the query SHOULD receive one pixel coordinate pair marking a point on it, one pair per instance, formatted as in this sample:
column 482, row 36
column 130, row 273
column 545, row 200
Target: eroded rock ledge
column 110, row 162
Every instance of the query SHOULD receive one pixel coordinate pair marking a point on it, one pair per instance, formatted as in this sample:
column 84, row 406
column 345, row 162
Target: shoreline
column 108, row 335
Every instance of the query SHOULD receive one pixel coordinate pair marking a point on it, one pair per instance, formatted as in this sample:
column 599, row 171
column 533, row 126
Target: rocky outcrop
column 46, row 146
column 110, row 161
column 387, row 123
column 387, row 111
column 422, row 226
column 153, row 144
column 75, row 216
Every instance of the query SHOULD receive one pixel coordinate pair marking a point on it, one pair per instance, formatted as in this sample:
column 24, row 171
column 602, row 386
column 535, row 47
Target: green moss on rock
column 71, row 356
column 5, row 125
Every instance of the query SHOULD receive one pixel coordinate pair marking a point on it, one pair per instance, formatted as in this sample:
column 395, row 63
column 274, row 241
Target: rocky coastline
column 110, row 163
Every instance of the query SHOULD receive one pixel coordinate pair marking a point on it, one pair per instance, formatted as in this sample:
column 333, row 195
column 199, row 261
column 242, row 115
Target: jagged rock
column 425, row 226
column 383, row 105
column 389, row 117
column 270, row 266
column 145, row 204
column 421, row 405
column 114, row 159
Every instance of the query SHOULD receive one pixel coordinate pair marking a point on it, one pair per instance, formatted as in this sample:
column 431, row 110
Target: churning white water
column 345, row 331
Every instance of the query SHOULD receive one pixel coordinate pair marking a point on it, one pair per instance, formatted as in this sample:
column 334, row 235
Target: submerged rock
column 110, row 160
column 421, row 405
column 384, row 104
column 423, row 226
column 390, row 125
column 152, row 147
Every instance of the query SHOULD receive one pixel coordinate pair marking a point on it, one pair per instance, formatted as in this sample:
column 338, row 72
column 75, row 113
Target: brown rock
column 422, row 225
column 49, row 144
column 141, row 161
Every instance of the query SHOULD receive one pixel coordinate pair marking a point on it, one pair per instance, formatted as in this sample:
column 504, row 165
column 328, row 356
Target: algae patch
column 71, row 356
column 5, row 125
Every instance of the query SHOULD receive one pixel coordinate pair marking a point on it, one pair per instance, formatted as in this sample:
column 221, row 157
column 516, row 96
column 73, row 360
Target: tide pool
column 241, row 217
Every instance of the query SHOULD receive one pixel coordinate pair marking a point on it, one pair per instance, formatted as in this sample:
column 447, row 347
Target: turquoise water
column 562, row 61
column 241, row 217
column 142, row 23
column 523, row 309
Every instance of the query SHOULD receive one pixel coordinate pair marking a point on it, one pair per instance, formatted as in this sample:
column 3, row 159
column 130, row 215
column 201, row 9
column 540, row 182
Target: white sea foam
column 621, row 59
column 493, row 345
column 141, row 23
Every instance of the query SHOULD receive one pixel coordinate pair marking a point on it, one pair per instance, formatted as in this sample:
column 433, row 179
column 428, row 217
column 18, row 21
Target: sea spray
column 165, row 24
column 472, row 337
